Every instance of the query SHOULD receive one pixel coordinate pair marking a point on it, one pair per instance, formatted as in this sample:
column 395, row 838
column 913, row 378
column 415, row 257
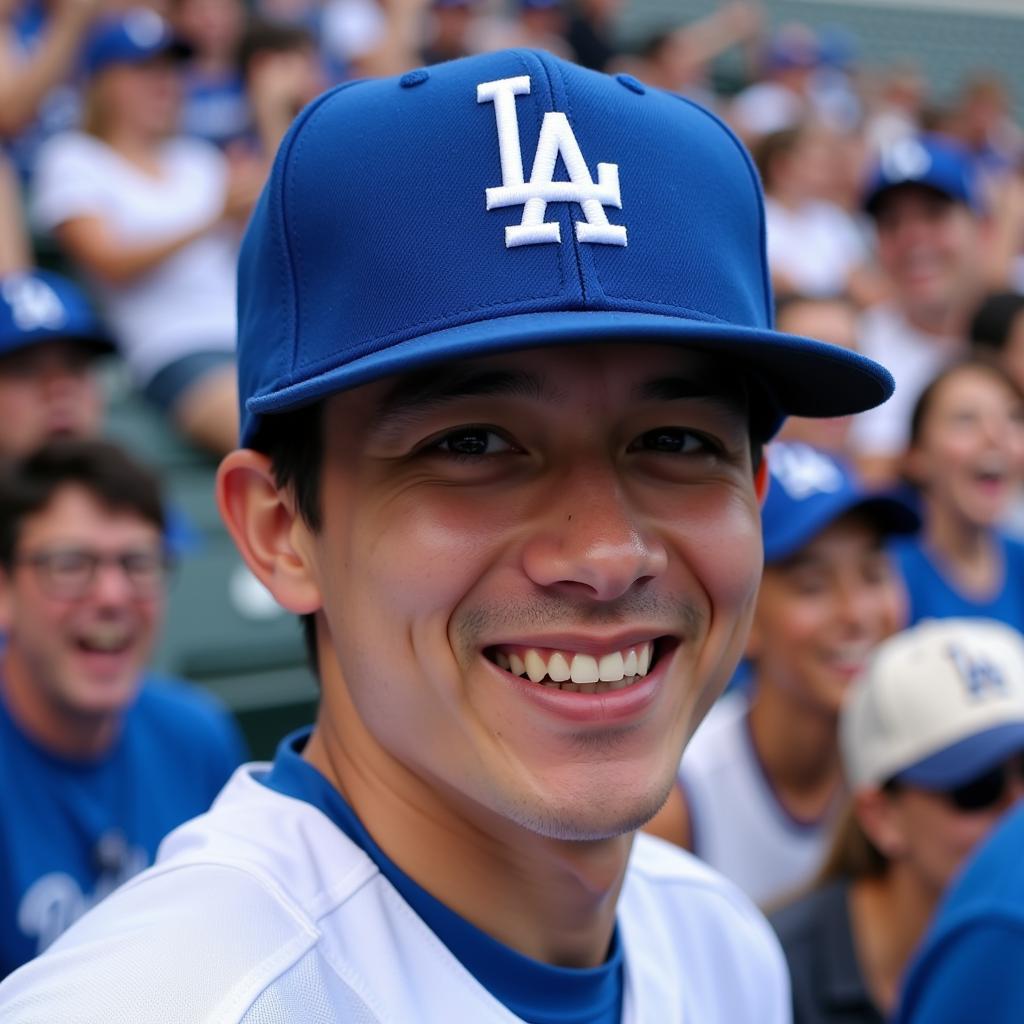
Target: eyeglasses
column 68, row 573
column 986, row 791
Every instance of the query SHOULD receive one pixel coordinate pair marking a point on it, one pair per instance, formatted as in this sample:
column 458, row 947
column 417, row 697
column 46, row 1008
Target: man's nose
column 591, row 540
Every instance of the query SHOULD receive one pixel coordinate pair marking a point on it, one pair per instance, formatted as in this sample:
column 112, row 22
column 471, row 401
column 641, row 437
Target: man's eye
column 471, row 441
column 672, row 441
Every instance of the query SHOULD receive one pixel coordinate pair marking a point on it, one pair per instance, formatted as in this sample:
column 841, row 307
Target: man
column 49, row 340
column 501, row 449
column 932, row 237
column 97, row 760
column 828, row 597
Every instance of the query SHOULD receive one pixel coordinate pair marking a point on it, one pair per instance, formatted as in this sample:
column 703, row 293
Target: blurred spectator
column 371, row 39
column 896, row 110
column 215, row 107
column 591, row 32
column 976, row 944
column 533, row 24
column 983, row 123
column 932, row 744
column 966, row 458
column 679, row 59
column 834, row 321
column 98, row 761
column 451, row 29
column 781, row 98
column 49, row 340
column 829, row 595
column 15, row 251
column 814, row 246
column 39, row 47
column 923, row 196
column 997, row 330
column 282, row 73
column 154, row 220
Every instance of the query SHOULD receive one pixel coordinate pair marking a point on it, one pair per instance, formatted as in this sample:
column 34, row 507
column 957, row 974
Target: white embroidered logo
column 802, row 471
column 34, row 304
column 556, row 138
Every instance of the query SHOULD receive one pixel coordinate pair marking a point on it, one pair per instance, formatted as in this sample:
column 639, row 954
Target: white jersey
column 263, row 912
column 187, row 303
column 737, row 823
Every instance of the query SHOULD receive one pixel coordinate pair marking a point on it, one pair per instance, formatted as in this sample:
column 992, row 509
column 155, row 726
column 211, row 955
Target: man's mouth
column 107, row 638
column 576, row 671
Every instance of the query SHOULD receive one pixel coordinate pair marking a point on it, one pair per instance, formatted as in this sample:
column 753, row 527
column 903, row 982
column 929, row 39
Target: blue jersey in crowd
column 969, row 966
column 933, row 595
column 71, row 831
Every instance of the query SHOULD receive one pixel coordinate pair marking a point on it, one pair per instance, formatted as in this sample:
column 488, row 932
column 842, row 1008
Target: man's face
column 47, row 390
column 821, row 612
column 84, row 651
column 556, row 512
column 929, row 246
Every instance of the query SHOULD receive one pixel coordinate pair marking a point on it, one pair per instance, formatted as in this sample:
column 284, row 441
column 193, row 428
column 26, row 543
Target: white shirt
column 187, row 303
column 913, row 358
column 737, row 823
column 815, row 246
column 263, row 912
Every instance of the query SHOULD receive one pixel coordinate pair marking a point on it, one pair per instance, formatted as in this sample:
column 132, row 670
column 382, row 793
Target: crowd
column 874, row 733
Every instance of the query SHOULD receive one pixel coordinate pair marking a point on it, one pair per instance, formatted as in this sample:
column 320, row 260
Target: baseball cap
column 939, row 704
column 129, row 38
column 508, row 201
column 927, row 160
column 40, row 305
column 810, row 489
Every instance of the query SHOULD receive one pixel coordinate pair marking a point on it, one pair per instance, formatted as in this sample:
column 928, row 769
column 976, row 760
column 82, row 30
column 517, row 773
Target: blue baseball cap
column 131, row 37
column 39, row 305
column 809, row 490
column 929, row 161
column 509, row 201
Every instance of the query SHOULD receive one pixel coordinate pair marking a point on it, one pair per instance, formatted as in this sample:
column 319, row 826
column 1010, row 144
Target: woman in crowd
column 932, row 738
column 966, row 458
column 154, row 220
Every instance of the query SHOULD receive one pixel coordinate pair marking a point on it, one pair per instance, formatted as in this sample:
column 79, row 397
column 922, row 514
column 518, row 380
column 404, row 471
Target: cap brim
column 966, row 760
column 801, row 376
column 890, row 513
column 96, row 344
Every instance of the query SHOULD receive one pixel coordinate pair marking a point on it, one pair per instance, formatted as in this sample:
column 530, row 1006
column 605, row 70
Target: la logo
column 556, row 139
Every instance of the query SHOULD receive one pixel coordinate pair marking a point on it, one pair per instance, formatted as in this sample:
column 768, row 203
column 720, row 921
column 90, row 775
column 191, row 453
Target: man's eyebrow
column 420, row 392
column 674, row 388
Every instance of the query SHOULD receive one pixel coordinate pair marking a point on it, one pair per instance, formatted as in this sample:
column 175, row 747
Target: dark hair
column 924, row 404
column 993, row 320
column 775, row 144
column 294, row 443
column 262, row 36
column 114, row 478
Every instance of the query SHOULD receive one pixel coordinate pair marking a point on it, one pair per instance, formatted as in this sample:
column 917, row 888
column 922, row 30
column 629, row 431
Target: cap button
column 413, row 78
column 632, row 84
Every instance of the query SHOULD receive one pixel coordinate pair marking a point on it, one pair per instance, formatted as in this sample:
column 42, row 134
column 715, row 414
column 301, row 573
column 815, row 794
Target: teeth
column 558, row 669
column 535, row 667
column 584, row 669
column 611, row 668
column 579, row 673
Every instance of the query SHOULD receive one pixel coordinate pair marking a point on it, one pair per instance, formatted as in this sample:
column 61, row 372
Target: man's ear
column 5, row 600
column 881, row 821
column 761, row 479
column 266, row 527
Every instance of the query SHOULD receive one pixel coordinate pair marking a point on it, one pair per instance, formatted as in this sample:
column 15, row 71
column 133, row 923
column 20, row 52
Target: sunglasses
column 981, row 793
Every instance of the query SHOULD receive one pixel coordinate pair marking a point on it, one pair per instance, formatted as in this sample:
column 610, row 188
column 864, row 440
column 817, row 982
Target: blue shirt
column 534, row 991
column 71, row 831
column 934, row 596
column 969, row 966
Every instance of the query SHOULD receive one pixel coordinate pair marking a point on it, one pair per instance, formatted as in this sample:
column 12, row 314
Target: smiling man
column 501, row 449
column 98, row 759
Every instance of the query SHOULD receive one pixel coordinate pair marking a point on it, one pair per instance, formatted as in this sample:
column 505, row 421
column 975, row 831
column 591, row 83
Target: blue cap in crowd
column 130, row 37
column 39, row 305
column 809, row 490
column 508, row 201
column 929, row 161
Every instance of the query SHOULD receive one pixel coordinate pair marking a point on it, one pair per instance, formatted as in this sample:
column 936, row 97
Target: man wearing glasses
column 98, row 761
